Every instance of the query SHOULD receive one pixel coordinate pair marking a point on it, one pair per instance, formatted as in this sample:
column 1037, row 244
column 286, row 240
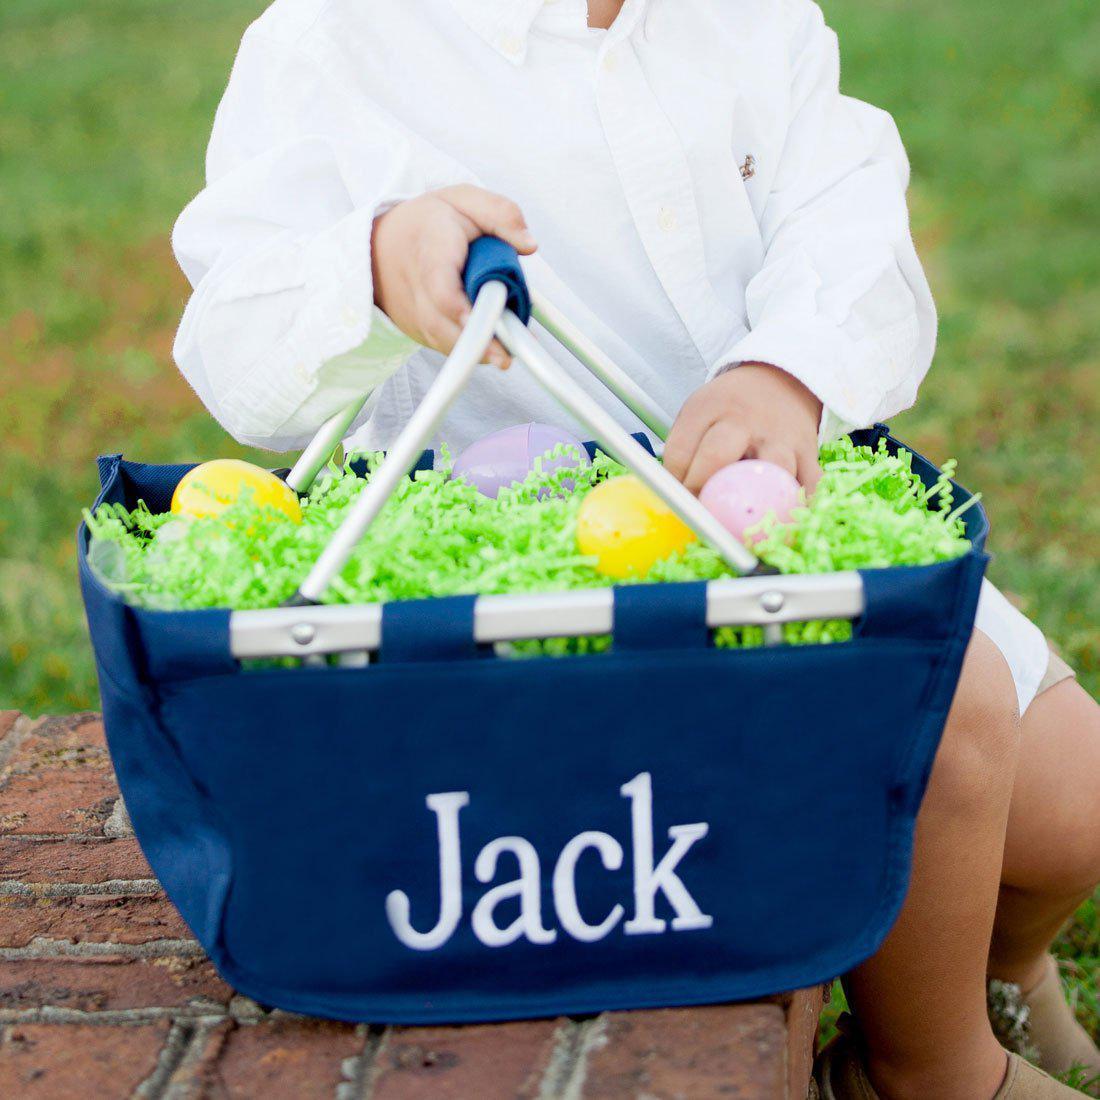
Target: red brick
column 49, row 1062
column 726, row 1052
column 97, row 984
column 63, row 859
column 455, row 1063
column 7, row 720
column 803, row 1011
column 277, row 1057
column 89, row 918
column 59, row 780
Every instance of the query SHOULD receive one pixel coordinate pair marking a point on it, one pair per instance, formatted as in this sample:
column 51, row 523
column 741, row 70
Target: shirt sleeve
column 281, row 330
column 841, row 301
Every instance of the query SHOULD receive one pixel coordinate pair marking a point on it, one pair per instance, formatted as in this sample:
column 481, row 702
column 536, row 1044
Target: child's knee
column 977, row 756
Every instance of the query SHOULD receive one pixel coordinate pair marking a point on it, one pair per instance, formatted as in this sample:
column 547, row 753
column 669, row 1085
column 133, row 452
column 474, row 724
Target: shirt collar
column 506, row 24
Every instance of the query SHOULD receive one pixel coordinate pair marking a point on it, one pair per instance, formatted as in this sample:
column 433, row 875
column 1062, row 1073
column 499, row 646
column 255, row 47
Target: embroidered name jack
column 649, row 880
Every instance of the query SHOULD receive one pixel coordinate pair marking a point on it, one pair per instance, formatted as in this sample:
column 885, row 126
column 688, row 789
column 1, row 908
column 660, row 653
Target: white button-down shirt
column 702, row 194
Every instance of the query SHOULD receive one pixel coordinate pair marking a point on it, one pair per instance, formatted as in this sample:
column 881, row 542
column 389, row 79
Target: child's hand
column 418, row 251
column 752, row 411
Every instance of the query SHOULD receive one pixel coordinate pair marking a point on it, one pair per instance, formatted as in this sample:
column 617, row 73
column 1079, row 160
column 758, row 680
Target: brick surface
column 49, row 1062
column 87, row 860
column 277, row 1057
column 803, row 1011
column 103, row 992
column 89, row 918
column 111, row 982
column 7, row 720
column 726, row 1052
column 59, row 779
column 455, row 1063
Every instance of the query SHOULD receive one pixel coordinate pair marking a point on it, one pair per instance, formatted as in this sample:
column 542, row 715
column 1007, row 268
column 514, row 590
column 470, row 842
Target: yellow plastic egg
column 210, row 488
column 628, row 528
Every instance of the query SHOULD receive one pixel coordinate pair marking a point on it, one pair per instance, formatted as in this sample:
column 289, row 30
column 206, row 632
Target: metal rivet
column 303, row 633
column 772, row 602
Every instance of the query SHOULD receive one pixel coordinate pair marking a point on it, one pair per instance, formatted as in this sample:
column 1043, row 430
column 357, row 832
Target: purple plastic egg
column 508, row 456
column 740, row 495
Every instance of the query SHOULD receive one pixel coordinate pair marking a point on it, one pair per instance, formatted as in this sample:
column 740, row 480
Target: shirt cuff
column 340, row 340
column 821, row 357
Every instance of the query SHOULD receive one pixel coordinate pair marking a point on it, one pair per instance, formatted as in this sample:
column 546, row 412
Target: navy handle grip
column 492, row 260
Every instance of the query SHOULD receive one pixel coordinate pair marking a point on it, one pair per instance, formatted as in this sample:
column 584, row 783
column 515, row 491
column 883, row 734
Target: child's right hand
column 418, row 251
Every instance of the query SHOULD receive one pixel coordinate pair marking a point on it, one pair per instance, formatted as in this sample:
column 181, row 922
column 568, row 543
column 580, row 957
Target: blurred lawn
column 105, row 106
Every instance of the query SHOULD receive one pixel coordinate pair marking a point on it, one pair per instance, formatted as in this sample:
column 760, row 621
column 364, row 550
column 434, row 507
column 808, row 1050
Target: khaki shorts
column 1057, row 671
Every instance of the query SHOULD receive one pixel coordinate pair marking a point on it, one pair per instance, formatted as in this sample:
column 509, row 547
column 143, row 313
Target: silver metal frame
column 329, row 436
column 619, row 443
column 312, row 460
column 407, row 448
column 606, row 370
column 352, row 632
column 357, row 629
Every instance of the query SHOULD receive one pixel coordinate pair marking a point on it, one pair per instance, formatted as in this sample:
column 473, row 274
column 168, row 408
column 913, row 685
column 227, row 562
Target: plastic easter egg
column 210, row 488
column 627, row 528
column 508, row 456
column 743, row 494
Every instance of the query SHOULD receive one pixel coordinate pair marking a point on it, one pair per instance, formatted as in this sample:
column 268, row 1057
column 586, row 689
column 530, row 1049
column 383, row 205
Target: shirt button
column 302, row 371
column 610, row 63
column 666, row 218
column 351, row 316
column 511, row 46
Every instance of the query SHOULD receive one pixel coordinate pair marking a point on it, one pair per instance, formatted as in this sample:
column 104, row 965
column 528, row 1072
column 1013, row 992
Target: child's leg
column 921, row 1000
column 1052, row 852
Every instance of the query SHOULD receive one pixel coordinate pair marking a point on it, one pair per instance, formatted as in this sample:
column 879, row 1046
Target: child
column 733, row 232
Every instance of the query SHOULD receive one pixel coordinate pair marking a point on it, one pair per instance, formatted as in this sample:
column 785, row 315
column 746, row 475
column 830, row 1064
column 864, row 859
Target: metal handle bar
column 495, row 282
column 618, row 443
column 331, row 433
column 407, row 448
column 599, row 365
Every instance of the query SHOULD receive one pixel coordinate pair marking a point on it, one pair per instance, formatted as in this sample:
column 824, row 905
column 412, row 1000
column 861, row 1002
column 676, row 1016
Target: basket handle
column 489, row 260
column 494, row 275
column 449, row 383
column 621, row 445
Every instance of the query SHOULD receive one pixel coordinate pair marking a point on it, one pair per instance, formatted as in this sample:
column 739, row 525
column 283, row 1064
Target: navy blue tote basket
column 450, row 835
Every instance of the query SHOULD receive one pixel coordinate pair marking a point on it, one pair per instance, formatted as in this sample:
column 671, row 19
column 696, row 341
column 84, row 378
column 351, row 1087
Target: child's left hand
column 754, row 410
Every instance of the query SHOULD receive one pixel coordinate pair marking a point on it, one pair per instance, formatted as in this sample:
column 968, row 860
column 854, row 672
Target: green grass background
column 105, row 107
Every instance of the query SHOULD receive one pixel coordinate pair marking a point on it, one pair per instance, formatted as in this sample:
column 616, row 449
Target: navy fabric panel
column 660, row 616
column 806, row 764
column 106, row 467
column 426, row 461
column 185, row 643
column 918, row 601
column 492, row 260
column 641, row 437
column 175, row 825
column 153, row 484
column 798, row 802
column 428, row 630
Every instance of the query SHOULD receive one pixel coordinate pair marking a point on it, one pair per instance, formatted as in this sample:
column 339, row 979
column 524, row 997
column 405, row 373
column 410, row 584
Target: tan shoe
column 1040, row 1025
column 840, row 1075
column 1027, row 1082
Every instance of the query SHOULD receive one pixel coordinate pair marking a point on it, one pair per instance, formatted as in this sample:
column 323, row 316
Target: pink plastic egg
column 508, row 456
column 744, row 493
